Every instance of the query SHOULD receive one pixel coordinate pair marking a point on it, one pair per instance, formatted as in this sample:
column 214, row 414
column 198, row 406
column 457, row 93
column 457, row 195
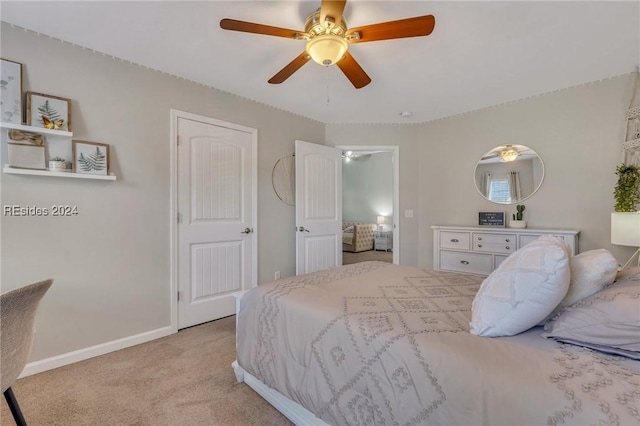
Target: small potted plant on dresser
column 518, row 218
column 57, row 164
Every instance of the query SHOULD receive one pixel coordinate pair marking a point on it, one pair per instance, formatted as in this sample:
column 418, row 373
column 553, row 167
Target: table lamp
column 625, row 231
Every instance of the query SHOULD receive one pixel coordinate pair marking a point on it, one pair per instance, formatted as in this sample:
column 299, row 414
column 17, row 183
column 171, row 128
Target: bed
column 357, row 237
column 375, row 343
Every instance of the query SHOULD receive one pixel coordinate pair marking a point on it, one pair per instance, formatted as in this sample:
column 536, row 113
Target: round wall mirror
column 509, row 174
column 283, row 179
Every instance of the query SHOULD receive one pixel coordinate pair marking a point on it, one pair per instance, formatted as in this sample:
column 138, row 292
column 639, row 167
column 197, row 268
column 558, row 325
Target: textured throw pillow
column 523, row 290
column 608, row 321
column 590, row 272
column 348, row 230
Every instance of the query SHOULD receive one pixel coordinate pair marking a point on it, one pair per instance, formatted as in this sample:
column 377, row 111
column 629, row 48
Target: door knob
column 247, row 231
column 303, row 229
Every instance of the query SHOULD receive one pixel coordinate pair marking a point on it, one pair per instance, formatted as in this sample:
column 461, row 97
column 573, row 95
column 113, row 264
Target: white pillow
column 590, row 272
column 523, row 290
column 607, row 321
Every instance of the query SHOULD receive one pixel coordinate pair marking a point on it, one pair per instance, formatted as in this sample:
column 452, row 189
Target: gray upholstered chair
column 17, row 317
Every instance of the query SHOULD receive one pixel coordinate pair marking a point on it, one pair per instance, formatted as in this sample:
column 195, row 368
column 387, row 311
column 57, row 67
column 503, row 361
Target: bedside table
column 383, row 242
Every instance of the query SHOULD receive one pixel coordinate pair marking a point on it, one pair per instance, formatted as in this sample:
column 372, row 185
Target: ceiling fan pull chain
column 327, row 72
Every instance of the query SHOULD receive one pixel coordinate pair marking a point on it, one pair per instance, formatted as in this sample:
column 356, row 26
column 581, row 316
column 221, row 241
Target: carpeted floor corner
column 182, row 379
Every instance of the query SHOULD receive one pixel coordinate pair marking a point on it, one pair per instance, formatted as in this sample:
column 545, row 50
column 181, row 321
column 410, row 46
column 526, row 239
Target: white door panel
column 215, row 238
column 318, row 207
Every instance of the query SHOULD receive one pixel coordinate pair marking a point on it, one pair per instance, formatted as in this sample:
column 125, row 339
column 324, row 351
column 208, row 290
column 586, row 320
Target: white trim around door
column 395, row 150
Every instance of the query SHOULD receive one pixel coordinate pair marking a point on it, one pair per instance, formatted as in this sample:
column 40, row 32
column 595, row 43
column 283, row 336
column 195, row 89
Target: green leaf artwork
column 96, row 161
column 48, row 111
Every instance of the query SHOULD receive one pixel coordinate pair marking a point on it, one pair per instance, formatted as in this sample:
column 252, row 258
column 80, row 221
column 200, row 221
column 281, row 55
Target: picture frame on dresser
column 11, row 99
column 48, row 111
column 492, row 219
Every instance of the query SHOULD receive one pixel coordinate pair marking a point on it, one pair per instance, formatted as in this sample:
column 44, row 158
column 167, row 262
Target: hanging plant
column 627, row 190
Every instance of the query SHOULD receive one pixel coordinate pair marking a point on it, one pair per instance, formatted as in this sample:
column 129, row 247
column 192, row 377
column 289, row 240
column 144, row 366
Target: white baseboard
column 93, row 351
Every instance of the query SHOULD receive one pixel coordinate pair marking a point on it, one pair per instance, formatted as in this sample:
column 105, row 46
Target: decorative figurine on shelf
column 518, row 218
column 52, row 124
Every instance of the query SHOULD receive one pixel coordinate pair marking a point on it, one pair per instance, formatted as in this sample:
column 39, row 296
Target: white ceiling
column 480, row 53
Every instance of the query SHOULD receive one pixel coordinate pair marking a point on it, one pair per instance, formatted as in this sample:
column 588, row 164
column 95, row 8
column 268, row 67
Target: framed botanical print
column 11, row 91
column 48, row 112
column 90, row 158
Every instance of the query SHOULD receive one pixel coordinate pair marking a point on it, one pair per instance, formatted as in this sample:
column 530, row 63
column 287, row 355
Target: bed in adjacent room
column 375, row 343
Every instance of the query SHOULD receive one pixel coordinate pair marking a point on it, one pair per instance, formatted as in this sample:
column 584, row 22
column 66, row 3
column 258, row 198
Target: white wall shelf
column 16, row 171
column 58, row 145
column 41, row 130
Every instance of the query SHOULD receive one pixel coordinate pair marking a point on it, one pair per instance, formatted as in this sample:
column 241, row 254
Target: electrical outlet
column 276, row 275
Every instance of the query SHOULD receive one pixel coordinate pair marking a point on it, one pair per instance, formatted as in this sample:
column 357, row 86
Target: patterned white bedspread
column 381, row 344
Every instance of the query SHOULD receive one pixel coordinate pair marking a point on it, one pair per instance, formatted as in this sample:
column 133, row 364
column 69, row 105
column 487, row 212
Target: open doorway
column 370, row 190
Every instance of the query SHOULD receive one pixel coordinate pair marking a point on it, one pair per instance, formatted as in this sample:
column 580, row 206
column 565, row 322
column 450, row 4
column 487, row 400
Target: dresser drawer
column 473, row 263
column 506, row 248
column 455, row 240
column 507, row 239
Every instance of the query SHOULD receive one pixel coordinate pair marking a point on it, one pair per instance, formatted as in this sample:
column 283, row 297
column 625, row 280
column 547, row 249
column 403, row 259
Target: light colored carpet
column 363, row 256
column 182, row 379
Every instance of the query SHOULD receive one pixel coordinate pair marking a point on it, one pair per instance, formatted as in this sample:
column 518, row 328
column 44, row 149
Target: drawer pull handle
column 479, row 245
column 464, row 262
column 455, row 240
column 507, row 247
column 508, row 240
column 479, row 238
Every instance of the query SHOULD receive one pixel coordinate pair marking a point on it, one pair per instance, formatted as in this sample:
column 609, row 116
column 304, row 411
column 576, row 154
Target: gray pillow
column 608, row 321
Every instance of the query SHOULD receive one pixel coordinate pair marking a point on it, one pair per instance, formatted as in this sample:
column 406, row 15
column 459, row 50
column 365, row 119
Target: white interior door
column 216, row 220
column 318, row 207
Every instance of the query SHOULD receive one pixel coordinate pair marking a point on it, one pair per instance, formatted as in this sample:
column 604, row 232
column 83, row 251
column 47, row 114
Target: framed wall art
column 90, row 158
column 11, row 94
column 48, row 112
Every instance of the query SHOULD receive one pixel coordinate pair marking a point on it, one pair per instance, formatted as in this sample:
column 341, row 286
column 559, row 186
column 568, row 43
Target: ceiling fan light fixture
column 326, row 49
column 509, row 154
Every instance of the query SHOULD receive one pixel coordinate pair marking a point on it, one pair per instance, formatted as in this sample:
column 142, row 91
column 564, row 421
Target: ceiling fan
column 328, row 39
column 507, row 153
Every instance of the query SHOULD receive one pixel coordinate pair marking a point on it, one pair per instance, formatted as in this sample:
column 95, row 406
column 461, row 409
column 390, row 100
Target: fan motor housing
column 313, row 27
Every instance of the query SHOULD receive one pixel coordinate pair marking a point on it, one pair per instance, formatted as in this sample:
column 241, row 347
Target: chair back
column 17, row 318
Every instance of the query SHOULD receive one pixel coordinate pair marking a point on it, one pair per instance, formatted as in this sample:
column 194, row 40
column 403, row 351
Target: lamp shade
column 625, row 229
column 381, row 220
column 326, row 49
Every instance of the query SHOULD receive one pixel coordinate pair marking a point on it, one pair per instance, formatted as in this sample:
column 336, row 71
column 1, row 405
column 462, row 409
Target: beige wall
column 576, row 131
column 111, row 262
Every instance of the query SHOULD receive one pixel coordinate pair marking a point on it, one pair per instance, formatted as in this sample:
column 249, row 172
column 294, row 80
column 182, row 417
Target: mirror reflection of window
column 499, row 190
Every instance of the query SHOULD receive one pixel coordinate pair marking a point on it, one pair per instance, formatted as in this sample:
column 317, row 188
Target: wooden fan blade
column 250, row 27
column 292, row 67
column 353, row 71
column 333, row 9
column 410, row 27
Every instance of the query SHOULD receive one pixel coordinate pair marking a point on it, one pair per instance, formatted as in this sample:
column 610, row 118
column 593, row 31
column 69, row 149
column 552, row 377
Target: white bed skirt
column 292, row 410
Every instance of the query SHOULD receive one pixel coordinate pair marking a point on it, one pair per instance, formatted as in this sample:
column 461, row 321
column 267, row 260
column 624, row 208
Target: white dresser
column 479, row 250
